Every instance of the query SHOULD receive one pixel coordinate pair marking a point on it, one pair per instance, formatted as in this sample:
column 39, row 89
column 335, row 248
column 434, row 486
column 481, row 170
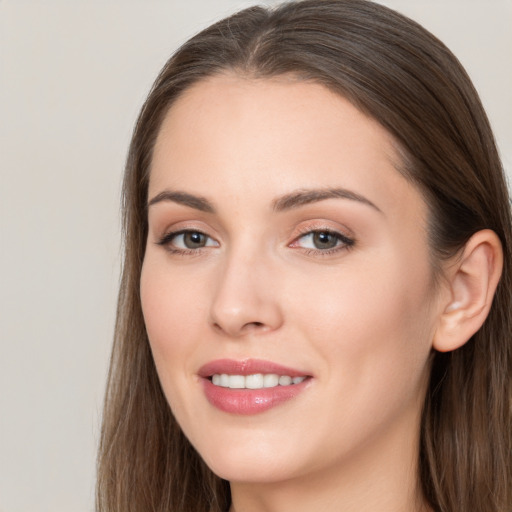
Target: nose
column 246, row 297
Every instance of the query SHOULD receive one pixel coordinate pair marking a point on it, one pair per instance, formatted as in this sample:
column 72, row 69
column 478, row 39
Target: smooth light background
column 73, row 75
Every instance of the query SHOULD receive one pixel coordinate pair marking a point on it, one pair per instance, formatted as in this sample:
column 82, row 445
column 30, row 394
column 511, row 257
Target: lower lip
column 250, row 401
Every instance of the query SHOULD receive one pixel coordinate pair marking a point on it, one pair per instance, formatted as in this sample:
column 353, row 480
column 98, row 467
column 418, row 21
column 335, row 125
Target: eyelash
column 166, row 240
column 344, row 242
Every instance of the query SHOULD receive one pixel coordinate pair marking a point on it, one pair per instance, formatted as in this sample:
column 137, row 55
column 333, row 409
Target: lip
column 247, row 367
column 249, row 401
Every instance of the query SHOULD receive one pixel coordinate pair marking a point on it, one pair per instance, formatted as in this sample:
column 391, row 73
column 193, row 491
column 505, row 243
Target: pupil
column 324, row 240
column 194, row 240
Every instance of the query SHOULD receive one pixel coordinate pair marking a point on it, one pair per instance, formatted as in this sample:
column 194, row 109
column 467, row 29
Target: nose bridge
column 245, row 298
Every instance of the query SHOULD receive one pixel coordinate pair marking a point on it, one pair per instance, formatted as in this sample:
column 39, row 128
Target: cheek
column 374, row 322
column 173, row 315
column 373, row 334
column 170, row 303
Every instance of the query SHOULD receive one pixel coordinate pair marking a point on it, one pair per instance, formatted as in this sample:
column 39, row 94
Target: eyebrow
column 303, row 197
column 287, row 202
column 190, row 200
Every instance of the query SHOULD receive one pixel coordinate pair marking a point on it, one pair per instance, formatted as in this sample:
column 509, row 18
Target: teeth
column 236, row 381
column 254, row 381
column 284, row 380
column 271, row 380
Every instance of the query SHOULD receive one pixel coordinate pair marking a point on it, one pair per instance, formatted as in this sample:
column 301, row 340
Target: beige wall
column 73, row 74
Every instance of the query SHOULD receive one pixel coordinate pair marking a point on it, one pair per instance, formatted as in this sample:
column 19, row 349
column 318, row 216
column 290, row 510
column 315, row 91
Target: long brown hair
column 402, row 76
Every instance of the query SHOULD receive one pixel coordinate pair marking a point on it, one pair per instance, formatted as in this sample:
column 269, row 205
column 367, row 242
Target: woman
column 315, row 304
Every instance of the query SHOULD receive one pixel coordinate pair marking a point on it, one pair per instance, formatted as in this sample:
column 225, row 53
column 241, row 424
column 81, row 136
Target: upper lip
column 247, row 367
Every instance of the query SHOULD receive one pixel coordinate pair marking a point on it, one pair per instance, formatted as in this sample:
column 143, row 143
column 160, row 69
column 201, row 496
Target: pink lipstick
column 250, row 386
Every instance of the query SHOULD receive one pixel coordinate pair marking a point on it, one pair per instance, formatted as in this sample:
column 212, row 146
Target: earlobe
column 472, row 281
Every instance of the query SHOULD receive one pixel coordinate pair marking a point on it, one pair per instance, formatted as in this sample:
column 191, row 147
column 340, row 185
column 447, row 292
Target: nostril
column 253, row 325
column 247, row 327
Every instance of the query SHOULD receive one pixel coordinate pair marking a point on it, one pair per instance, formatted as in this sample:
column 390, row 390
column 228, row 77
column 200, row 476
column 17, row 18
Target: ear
column 472, row 281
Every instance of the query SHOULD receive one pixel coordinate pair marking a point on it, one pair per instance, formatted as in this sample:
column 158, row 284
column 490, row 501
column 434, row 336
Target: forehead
column 293, row 107
column 284, row 133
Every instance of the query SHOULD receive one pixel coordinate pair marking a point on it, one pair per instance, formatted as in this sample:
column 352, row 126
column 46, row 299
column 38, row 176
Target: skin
column 360, row 318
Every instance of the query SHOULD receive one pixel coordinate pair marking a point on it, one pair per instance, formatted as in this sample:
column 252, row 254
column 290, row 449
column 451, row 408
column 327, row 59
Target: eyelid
column 346, row 241
column 169, row 236
column 343, row 238
column 166, row 225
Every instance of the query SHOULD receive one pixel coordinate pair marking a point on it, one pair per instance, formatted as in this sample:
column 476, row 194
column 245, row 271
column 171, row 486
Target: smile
column 254, row 381
column 250, row 386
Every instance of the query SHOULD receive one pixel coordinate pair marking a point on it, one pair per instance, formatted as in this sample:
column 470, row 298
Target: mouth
column 250, row 386
column 254, row 380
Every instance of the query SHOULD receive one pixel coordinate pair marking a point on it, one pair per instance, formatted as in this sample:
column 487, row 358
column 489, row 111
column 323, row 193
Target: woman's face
column 284, row 245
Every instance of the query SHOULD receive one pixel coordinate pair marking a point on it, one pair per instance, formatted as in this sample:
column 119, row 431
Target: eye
column 323, row 240
column 187, row 240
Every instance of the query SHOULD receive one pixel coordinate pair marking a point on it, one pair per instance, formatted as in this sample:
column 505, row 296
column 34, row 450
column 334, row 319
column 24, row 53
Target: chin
column 248, row 471
column 252, row 461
